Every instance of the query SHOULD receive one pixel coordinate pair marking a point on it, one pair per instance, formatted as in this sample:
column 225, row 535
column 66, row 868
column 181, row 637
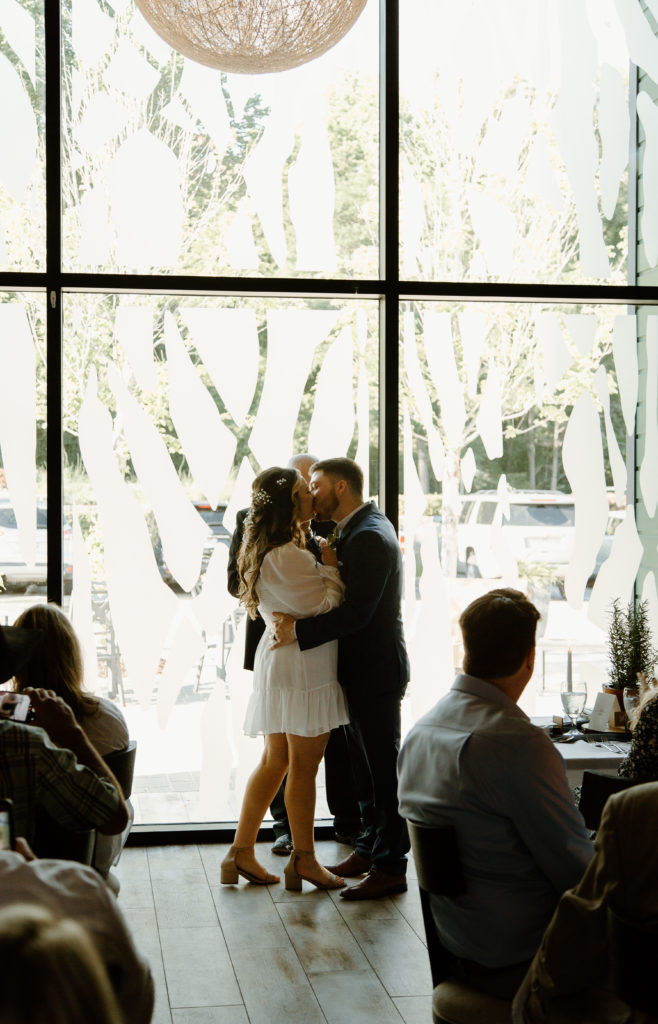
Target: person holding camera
column 50, row 764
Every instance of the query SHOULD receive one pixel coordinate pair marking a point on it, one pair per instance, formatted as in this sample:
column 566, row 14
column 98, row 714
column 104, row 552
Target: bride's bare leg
column 263, row 783
column 304, row 756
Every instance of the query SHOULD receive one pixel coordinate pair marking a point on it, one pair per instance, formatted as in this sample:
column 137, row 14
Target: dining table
column 599, row 751
column 601, row 754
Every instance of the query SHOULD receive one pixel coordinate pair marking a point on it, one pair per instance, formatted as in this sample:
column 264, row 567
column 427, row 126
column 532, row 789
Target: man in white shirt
column 476, row 762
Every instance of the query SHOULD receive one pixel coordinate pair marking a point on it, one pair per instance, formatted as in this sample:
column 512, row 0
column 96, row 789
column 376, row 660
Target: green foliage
column 538, row 574
column 630, row 644
column 434, row 504
column 353, row 131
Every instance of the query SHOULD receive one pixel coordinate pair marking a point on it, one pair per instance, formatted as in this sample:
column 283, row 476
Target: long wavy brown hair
column 272, row 520
column 57, row 664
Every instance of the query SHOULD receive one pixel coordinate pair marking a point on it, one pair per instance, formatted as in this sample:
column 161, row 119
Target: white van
column 536, row 526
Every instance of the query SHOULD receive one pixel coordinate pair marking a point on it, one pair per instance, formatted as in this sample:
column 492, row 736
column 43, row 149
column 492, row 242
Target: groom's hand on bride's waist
column 284, row 630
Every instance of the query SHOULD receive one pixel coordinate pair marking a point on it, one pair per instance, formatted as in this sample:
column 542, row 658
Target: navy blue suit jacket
column 372, row 657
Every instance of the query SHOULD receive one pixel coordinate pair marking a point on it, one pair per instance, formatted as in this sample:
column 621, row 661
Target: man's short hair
column 499, row 632
column 342, row 469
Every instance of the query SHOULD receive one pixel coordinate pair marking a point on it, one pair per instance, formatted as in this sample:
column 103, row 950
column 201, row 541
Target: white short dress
column 296, row 691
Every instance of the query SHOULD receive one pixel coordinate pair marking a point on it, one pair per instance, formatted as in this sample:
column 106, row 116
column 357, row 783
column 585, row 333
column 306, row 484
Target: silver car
column 14, row 570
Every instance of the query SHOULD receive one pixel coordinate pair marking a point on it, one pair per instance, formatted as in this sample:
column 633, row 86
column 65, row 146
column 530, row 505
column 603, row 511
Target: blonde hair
column 272, row 520
column 52, row 972
column 648, row 692
column 57, row 664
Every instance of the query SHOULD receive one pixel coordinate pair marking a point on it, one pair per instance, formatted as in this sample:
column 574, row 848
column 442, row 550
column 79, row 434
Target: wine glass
column 573, row 697
column 631, row 701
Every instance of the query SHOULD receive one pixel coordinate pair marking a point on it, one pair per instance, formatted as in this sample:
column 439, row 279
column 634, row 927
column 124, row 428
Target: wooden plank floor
column 246, row 954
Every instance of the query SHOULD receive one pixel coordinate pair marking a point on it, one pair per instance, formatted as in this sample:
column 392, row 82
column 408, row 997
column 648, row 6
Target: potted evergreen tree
column 630, row 647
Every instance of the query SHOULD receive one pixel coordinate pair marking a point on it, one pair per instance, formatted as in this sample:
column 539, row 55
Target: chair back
column 439, row 871
column 53, row 840
column 633, row 957
column 594, row 793
column 122, row 764
column 436, row 856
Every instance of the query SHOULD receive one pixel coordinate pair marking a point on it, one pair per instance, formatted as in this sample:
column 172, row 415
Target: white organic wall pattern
column 17, row 421
column 142, row 615
column 582, row 455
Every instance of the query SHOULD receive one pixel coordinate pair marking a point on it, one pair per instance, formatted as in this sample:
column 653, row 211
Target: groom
column 372, row 666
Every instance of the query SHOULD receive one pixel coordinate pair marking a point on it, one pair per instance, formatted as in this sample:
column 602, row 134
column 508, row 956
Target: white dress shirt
column 476, row 761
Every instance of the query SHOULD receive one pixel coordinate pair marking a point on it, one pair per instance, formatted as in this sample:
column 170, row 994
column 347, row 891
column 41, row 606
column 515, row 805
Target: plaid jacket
column 35, row 773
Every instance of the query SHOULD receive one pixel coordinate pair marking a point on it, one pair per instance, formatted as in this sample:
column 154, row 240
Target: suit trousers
column 375, row 729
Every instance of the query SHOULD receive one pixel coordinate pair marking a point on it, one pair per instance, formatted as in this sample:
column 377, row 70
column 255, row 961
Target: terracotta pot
column 619, row 694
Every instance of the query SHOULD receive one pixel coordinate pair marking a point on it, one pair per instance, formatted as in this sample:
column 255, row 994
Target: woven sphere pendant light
column 251, row 36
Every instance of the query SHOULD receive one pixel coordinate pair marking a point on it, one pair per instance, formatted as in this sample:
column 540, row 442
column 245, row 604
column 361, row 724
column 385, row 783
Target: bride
column 296, row 699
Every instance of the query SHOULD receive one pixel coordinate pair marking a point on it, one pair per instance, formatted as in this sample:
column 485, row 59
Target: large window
column 171, row 167
column 172, row 405
column 514, row 139
column 516, row 419
column 431, row 250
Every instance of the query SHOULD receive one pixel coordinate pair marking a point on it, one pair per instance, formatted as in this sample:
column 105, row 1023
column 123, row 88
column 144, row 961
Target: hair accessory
column 261, row 498
column 281, row 482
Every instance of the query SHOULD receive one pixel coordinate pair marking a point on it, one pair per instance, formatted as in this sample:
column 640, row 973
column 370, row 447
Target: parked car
column 540, row 527
column 14, row 570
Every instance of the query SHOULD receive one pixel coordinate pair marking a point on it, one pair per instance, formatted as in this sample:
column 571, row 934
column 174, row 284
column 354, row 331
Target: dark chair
column 633, row 959
column 53, row 840
column 439, row 870
column 595, row 790
column 122, row 764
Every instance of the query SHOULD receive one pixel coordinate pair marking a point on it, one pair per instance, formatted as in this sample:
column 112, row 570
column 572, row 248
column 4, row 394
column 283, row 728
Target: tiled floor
column 238, row 954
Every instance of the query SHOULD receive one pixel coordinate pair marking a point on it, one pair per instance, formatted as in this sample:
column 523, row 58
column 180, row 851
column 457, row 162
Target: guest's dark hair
column 272, row 520
column 499, row 632
column 342, row 469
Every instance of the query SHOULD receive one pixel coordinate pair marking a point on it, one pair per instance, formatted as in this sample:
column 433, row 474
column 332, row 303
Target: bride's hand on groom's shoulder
column 284, row 630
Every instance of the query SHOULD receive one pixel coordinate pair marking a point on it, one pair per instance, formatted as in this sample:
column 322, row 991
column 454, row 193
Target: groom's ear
column 340, row 488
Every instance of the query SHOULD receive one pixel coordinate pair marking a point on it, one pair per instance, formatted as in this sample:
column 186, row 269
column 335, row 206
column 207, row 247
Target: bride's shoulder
column 285, row 554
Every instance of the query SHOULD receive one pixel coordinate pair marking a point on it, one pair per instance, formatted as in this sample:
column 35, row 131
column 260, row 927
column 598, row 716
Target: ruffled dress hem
column 301, row 713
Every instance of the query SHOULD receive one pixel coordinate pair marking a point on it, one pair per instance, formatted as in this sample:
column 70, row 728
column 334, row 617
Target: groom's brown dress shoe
column 351, row 867
column 377, row 885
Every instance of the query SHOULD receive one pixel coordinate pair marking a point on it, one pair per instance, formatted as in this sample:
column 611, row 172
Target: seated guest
column 569, row 979
column 72, row 987
column 52, row 967
column 54, row 768
column 476, row 762
column 642, row 761
column 57, row 665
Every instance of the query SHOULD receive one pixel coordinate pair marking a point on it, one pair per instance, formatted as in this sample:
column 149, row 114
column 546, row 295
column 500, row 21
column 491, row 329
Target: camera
column 16, row 706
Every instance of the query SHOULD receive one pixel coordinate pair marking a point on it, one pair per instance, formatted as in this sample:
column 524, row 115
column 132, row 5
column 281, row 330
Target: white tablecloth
column 581, row 755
